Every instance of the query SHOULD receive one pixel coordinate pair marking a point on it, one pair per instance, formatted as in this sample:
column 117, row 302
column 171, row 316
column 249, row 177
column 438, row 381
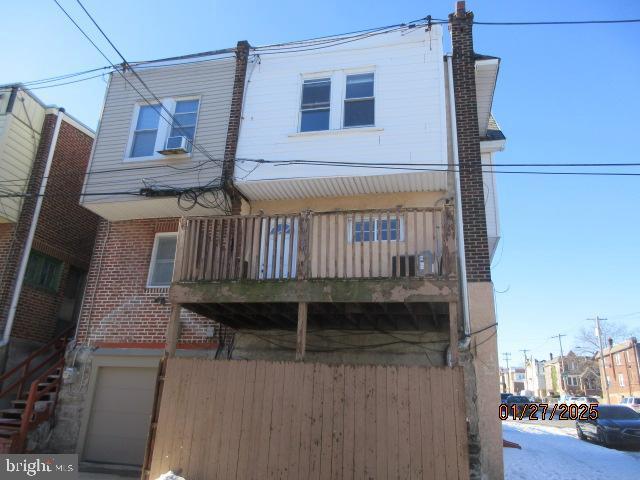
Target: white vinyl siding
column 20, row 132
column 212, row 83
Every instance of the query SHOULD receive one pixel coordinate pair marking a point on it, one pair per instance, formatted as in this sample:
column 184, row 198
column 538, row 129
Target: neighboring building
column 46, row 242
column 342, row 246
column 512, row 380
column 621, row 369
column 534, row 377
column 46, row 238
column 580, row 376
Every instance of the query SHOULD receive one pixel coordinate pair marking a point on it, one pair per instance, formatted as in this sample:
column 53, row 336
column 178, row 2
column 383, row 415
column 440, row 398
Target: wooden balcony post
column 304, row 251
column 173, row 331
column 453, row 333
column 301, row 339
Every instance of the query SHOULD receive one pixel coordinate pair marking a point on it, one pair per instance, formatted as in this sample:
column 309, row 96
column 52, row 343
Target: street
column 555, row 453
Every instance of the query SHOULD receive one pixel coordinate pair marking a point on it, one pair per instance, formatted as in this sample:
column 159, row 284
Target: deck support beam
column 173, row 330
column 453, row 333
column 301, row 337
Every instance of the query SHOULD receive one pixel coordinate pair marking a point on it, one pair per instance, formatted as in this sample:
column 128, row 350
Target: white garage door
column 120, row 415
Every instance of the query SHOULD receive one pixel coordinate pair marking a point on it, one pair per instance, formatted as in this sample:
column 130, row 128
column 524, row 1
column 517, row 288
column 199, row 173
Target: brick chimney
column 470, row 163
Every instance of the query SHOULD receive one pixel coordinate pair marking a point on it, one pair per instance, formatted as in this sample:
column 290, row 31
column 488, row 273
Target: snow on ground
column 552, row 453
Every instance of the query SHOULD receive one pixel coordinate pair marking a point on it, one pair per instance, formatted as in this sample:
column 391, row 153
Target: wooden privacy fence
column 222, row 419
column 347, row 244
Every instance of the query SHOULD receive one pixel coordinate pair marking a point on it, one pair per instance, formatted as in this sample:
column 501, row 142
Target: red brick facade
column 476, row 244
column 621, row 370
column 118, row 307
column 64, row 231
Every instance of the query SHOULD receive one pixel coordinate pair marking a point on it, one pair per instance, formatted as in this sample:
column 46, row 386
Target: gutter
column 462, row 265
column 32, row 231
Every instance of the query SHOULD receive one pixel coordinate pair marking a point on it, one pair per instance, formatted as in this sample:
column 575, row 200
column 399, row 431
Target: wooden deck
column 222, row 419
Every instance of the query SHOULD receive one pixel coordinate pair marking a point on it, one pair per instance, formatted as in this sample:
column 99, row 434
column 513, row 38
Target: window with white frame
column 375, row 229
column 621, row 380
column 162, row 259
column 315, row 105
column 163, row 126
column 146, row 131
column 359, row 102
column 617, row 359
column 183, row 123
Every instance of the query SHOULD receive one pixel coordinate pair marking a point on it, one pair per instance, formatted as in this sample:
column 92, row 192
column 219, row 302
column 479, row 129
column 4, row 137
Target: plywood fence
column 222, row 419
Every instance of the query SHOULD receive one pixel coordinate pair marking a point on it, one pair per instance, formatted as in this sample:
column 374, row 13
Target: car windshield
column 617, row 413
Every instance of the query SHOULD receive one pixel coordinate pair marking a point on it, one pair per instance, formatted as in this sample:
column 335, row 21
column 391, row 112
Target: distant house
column 621, row 369
column 572, row 374
column 534, row 377
column 512, row 380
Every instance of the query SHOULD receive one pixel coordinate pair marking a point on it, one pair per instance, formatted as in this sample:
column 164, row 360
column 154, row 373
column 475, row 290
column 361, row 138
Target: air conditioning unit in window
column 176, row 145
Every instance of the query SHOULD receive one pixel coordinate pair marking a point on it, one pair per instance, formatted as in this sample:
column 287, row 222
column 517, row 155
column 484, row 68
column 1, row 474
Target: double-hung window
column 315, row 107
column 162, row 259
column 359, row 102
column 146, row 131
column 43, row 271
column 184, row 123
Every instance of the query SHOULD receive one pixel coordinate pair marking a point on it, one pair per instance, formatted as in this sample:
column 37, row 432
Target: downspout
column 462, row 264
column 32, row 231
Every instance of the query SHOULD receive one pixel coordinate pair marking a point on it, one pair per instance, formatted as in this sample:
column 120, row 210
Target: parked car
column 631, row 402
column 520, row 401
column 616, row 425
column 504, row 396
column 587, row 400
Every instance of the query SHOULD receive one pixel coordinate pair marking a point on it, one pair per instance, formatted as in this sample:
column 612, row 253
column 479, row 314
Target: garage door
column 120, row 415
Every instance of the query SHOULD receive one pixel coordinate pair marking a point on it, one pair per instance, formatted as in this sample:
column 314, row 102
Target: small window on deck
column 375, row 229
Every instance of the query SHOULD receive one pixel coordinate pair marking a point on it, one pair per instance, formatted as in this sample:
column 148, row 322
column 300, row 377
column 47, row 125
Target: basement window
column 43, row 271
column 162, row 259
column 315, row 106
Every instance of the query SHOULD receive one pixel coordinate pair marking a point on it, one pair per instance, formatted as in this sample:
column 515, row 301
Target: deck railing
column 346, row 244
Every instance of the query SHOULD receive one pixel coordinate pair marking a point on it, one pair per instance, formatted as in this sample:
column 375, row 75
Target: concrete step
column 9, row 423
column 11, row 413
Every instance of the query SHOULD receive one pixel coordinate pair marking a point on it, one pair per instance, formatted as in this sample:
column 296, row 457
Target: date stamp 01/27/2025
column 546, row 411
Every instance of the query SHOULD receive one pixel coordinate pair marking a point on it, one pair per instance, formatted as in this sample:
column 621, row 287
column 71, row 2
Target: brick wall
column 14, row 247
column 233, row 128
column 65, row 230
column 471, row 183
column 118, row 307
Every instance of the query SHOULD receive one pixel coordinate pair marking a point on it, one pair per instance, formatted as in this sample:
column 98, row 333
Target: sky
column 565, row 94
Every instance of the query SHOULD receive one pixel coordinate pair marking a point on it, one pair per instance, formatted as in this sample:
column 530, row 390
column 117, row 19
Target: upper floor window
column 315, row 106
column 162, row 259
column 621, row 380
column 43, row 271
column 184, row 123
column 359, row 101
column 162, row 129
column 618, row 359
column 146, row 131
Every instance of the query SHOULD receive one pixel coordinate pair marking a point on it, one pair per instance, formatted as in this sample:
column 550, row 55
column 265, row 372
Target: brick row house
column 621, row 370
column 572, row 375
column 46, row 240
column 322, row 201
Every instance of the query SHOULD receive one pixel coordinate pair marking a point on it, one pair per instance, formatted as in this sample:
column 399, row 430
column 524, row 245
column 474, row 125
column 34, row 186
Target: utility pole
column 507, row 357
column 526, row 376
column 524, row 352
column 559, row 337
column 603, row 380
